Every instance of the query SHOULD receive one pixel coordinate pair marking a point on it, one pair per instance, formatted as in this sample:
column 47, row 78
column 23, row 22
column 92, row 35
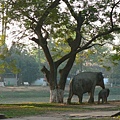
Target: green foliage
column 97, row 56
column 29, row 69
column 22, row 64
column 59, row 22
column 2, row 40
column 13, row 68
column 116, row 55
column 3, row 54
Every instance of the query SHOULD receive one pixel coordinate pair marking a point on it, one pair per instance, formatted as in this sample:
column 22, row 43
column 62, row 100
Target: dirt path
column 78, row 115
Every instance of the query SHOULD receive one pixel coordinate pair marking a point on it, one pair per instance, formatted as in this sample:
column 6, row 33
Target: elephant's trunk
column 103, row 85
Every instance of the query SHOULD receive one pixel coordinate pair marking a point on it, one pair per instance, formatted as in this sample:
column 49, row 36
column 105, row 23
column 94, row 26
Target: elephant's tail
column 71, row 86
column 70, row 91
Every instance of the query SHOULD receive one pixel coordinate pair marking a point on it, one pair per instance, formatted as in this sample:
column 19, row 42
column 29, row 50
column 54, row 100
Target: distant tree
column 26, row 65
column 71, row 26
column 29, row 69
column 115, row 76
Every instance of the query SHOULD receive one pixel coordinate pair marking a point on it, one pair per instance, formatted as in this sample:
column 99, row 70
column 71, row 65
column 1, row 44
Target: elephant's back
column 86, row 75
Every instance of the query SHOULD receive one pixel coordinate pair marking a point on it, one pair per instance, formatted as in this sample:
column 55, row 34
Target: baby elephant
column 103, row 94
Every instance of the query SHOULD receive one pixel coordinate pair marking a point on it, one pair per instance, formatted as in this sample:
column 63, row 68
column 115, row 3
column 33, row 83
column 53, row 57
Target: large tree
column 73, row 25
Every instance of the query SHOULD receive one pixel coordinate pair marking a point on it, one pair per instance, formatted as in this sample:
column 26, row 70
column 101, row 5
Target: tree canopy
column 57, row 20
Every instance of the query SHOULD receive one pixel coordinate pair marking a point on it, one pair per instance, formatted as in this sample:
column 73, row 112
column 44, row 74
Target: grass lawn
column 14, row 95
column 33, row 109
column 31, row 101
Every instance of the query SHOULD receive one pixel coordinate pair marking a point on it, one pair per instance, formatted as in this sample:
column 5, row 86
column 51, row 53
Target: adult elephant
column 85, row 82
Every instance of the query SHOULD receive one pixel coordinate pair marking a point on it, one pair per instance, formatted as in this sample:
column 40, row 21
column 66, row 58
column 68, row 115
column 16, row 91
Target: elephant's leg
column 69, row 98
column 98, row 99
column 91, row 99
column 102, row 100
column 91, row 93
column 80, row 98
column 105, row 99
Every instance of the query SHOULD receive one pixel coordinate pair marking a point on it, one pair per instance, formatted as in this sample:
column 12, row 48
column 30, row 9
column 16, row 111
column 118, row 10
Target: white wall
column 10, row 81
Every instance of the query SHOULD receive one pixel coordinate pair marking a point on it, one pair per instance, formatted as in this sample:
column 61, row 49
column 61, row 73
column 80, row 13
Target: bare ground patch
column 94, row 111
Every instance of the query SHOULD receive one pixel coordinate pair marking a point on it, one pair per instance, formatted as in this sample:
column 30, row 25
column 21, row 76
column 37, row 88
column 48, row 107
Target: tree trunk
column 56, row 95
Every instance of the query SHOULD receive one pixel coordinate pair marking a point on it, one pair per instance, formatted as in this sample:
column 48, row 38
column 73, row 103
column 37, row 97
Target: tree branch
column 46, row 72
column 99, row 35
column 45, row 14
column 111, row 13
column 32, row 19
column 71, row 9
column 46, row 33
column 35, row 40
column 87, row 45
column 91, row 46
column 79, row 19
column 39, row 28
